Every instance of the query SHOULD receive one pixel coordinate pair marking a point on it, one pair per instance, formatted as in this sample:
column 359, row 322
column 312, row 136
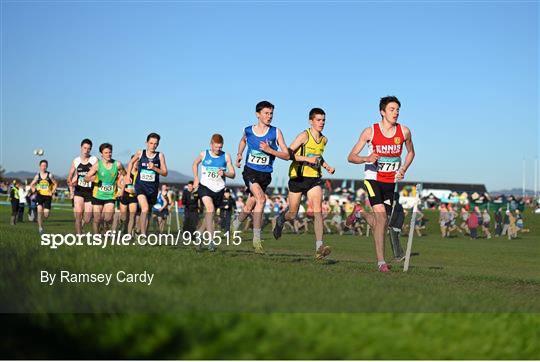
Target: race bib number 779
column 258, row 158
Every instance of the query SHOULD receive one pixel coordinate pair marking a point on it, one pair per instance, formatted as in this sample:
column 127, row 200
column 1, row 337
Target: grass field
column 462, row 298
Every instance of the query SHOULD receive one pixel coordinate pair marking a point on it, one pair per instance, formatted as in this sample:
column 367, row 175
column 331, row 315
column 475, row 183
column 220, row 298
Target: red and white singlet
column 389, row 149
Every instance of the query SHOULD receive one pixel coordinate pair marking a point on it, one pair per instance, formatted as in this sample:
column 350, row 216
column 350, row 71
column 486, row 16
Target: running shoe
column 323, row 252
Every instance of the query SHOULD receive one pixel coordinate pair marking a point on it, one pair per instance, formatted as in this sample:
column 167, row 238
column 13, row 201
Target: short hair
column 86, row 141
column 385, row 100
column 217, row 138
column 46, row 162
column 263, row 104
column 190, row 183
column 104, row 146
column 315, row 111
column 153, row 135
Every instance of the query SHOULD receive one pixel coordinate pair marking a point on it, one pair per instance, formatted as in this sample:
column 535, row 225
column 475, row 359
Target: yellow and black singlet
column 44, row 185
column 309, row 149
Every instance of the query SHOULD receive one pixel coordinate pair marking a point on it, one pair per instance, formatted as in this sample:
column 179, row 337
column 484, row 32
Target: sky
column 465, row 72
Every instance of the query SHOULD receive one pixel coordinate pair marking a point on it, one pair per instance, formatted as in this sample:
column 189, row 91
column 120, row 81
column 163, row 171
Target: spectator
column 512, row 228
column 486, row 220
column 506, row 223
column 32, row 205
column 443, row 220
column 14, row 199
column 190, row 200
column 519, row 222
column 498, row 222
column 464, row 217
column 472, row 224
column 418, row 224
column 227, row 209
column 22, row 203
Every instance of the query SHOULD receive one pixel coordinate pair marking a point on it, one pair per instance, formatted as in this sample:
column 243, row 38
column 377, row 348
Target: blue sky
column 465, row 72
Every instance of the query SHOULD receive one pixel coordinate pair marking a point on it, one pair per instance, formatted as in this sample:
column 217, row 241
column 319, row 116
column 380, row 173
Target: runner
column 106, row 172
column 151, row 165
column 81, row 190
column 160, row 209
column 46, row 186
column 216, row 165
column 383, row 167
column 14, row 199
column 128, row 202
column 305, row 178
column 262, row 142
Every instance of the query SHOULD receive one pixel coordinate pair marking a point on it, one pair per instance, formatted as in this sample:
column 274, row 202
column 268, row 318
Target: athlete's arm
column 410, row 153
column 354, row 156
column 121, row 169
column 165, row 202
column 241, row 147
column 230, row 168
column 90, row 175
column 163, row 169
column 283, row 154
column 34, row 181
column 327, row 167
column 120, row 181
column 71, row 173
column 301, row 139
column 195, row 169
column 325, row 164
column 135, row 158
column 55, row 184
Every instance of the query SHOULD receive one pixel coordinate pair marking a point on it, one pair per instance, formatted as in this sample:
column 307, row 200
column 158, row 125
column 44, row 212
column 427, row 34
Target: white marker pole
column 169, row 223
column 177, row 220
column 411, row 227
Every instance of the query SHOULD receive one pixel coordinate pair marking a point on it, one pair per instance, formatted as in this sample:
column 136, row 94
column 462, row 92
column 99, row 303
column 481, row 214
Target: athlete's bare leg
column 377, row 220
column 145, row 208
column 315, row 196
column 248, row 208
column 108, row 214
column 40, row 217
column 87, row 216
column 294, row 204
column 97, row 218
column 208, row 216
column 78, row 210
column 260, row 200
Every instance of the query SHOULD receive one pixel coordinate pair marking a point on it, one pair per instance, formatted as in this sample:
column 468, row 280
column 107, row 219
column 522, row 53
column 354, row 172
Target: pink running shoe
column 384, row 268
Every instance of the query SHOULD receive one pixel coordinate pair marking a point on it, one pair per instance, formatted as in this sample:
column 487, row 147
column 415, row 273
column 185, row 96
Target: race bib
column 388, row 164
column 314, row 164
column 212, row 172
column 82, row 183
column 106, row 188
column 42, row 186
column 148, row 176
column 258, row 158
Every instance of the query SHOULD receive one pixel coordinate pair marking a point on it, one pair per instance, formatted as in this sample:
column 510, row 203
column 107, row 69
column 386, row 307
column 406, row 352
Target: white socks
column 256, row 234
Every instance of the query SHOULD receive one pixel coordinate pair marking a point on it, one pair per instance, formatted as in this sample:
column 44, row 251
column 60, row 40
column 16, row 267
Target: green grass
column 462, row 298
